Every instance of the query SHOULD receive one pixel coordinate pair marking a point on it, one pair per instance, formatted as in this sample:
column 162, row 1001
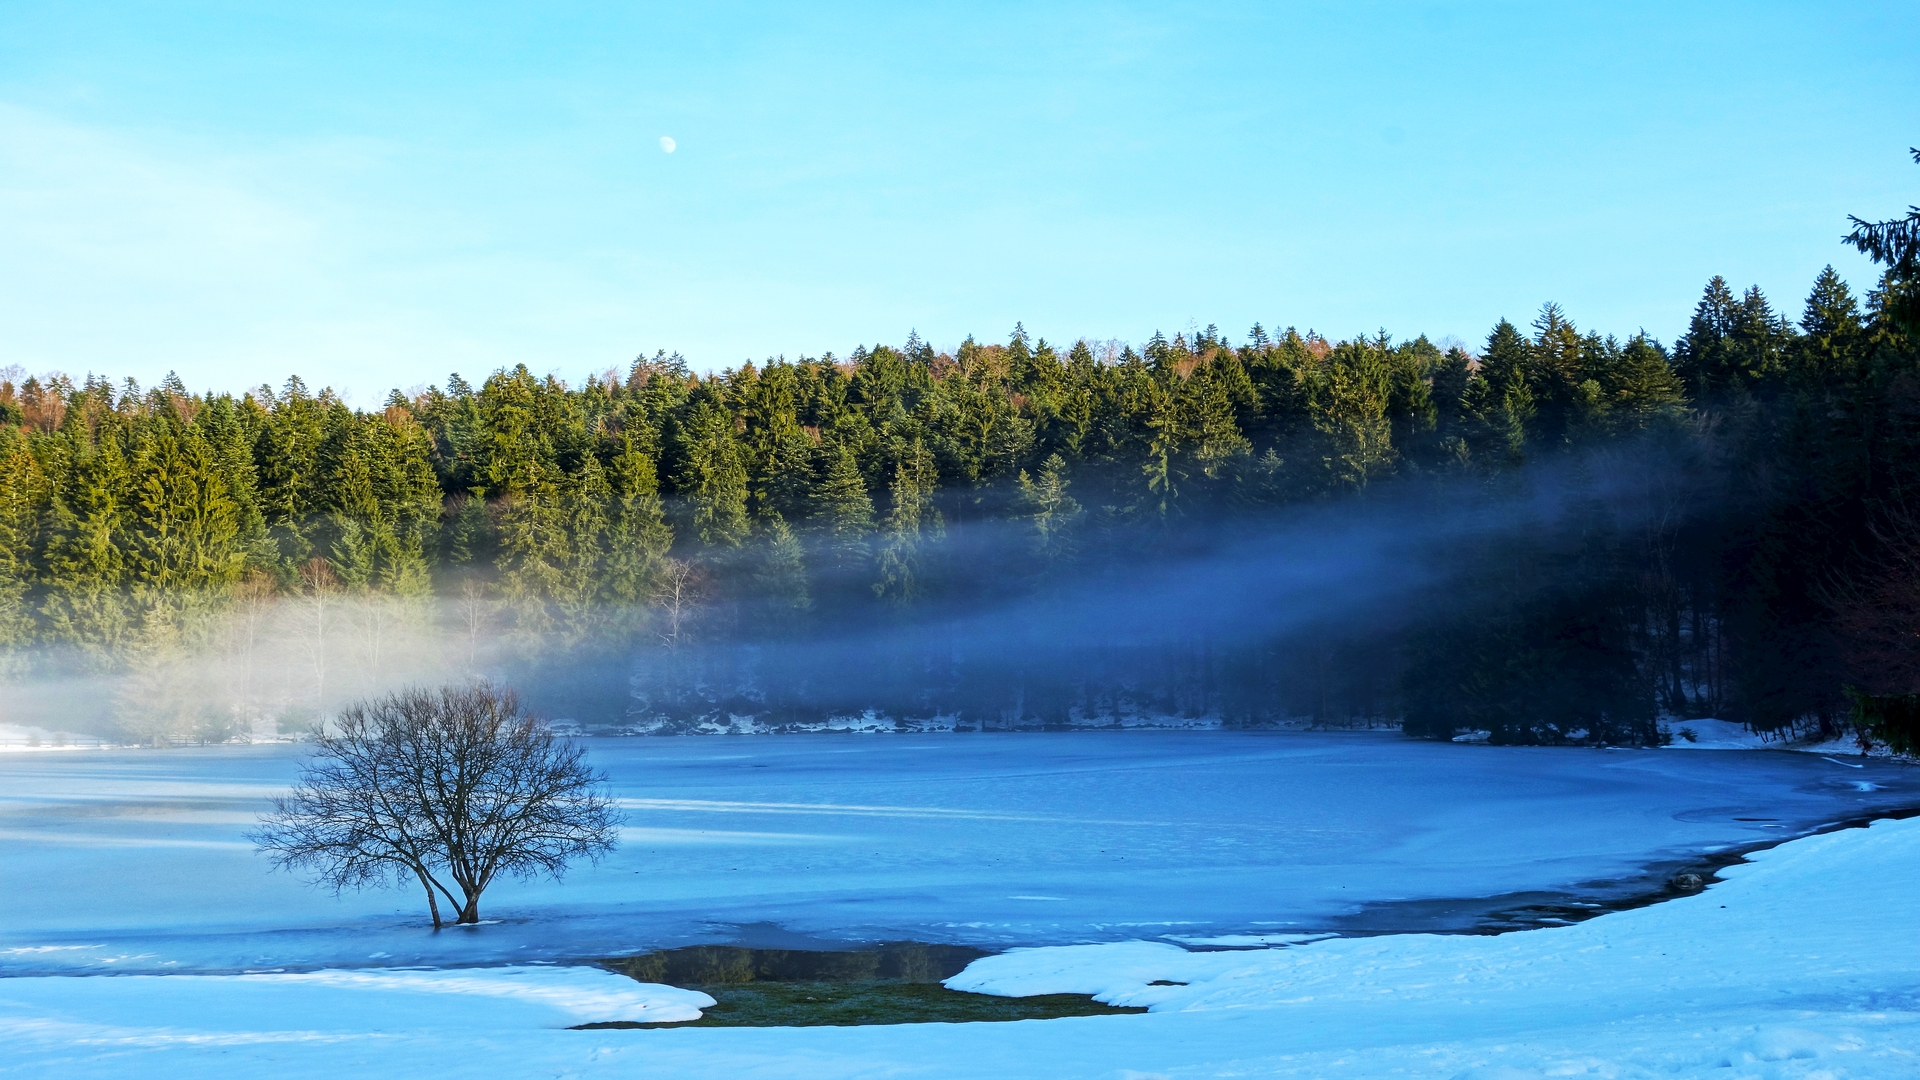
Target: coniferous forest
column 1553, row 535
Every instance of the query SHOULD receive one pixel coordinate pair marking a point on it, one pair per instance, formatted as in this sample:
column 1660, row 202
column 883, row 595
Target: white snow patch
column 586, row 995
column 1715, row 735
column 220, row 1010
column 26, row 737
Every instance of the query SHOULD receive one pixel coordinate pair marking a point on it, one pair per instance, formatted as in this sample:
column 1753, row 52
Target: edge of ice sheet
column 1841, row 894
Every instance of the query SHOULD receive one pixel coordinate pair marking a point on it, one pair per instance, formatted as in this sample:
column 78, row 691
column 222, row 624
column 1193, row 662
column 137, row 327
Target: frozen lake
column 136, row 860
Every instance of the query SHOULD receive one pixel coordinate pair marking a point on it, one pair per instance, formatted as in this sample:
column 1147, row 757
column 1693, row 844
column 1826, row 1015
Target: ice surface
column 137, row 860
column 1799, row 966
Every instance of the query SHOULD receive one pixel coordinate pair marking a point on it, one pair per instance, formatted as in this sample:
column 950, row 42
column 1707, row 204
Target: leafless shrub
column 1876, row 608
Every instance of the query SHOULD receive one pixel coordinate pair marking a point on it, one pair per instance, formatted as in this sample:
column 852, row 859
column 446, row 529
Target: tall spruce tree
column 1833, row 337
column 186, row 546
column 912, row 522
column 1056, row 515
column 843, row 513
column 638, row 536
column 23, row 492
column 534, row 546
column 714, row 478
column 1895, row 245
column 86, row 560
column 780, row 579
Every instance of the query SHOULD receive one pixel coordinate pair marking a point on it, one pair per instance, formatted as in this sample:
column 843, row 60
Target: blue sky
column 373, row 195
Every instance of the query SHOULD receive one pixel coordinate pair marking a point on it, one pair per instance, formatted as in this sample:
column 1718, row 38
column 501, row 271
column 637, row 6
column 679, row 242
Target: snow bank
column 582, row 994
column 159, row 1010
column 1726, row 735
column 1717, row 735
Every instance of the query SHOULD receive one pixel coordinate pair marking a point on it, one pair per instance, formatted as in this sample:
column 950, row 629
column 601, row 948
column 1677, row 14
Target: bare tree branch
column 450, row 787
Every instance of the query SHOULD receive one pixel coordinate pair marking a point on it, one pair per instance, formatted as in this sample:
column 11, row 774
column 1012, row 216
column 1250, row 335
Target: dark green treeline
column 641, row 530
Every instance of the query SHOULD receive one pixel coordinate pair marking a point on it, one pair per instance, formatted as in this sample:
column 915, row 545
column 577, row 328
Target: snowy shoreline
column 1703, row 734
column 1782, row 970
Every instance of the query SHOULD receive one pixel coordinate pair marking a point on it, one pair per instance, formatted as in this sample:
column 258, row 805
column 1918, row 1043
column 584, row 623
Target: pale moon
column 667, row 144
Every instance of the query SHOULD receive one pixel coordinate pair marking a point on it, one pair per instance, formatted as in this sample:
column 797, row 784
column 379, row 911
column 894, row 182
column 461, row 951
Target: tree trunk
column 471, row 913
column 433, row 903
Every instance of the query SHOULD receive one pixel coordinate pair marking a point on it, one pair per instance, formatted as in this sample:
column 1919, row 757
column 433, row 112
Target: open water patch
column 894, row 983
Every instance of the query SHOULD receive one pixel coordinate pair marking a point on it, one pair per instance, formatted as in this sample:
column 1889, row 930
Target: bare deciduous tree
column 677, row 592
column 252, row 612
column 319, row 595
column 457, row 783
column 473, row 612
column 1876, row 609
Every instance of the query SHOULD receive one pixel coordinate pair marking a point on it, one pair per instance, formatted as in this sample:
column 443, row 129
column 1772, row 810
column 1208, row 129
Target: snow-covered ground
column 1716, row 735
column 1800, row 965
column 1727, row 735
column 136, row 861
column 21, row 737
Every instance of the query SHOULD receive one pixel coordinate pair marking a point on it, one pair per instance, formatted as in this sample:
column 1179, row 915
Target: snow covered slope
column 1716, row 735
column 1801, row 965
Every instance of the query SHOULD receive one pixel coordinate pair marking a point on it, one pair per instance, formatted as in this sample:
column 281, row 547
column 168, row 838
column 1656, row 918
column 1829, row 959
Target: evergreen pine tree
column 1218, row 443
column 1054, row 513
column 1894, row 244
column 1758, row 342
column 410, row 502
column 911, row 518
column 1516, row 419
column 286, row 455
column 1649, row 390
column 1554, row 372
column 1161, row 471
column 23, row 492
column 1506, row 361
column 780, row 580
column 584, row 502
column 1703, row 355
column 353, row 506
column 186, row 546
column 1449, row 386
column 533, row 546
column 788, row 480
column 714, row 478
column 229, row 433
column 468, row 534
column 843, row 512
column 86, row 603
column 1832, row 335
column 638, row 536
